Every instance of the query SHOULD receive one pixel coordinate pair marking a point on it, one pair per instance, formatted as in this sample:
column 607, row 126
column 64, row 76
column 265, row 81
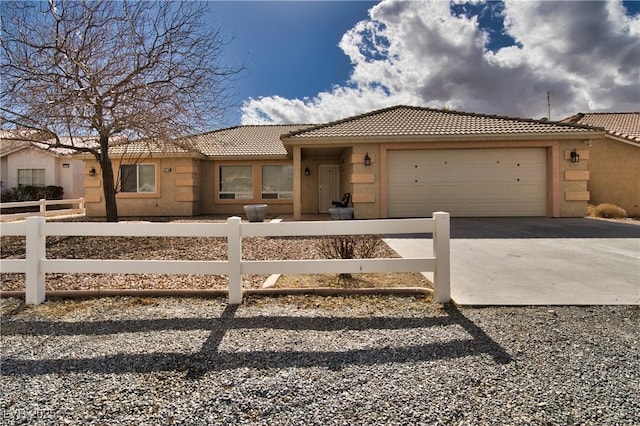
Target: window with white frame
column 138, row 178
column 30, row 177
column 277, row 181
column 236, row 182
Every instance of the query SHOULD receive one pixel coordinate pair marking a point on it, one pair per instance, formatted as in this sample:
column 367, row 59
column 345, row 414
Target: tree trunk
column 108, row 186
column 108, row 182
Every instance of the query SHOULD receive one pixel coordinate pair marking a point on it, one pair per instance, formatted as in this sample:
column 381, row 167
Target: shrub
column 350, row 247
column 53, row 192
column 32, row 193
column 606, row 210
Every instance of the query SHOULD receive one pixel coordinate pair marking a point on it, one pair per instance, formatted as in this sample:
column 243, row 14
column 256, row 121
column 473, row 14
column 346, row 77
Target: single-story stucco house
column 25, row 163
column 395, row 162
column 614, row 162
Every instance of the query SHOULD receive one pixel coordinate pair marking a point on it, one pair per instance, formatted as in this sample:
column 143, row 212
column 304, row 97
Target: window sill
column 128, row 195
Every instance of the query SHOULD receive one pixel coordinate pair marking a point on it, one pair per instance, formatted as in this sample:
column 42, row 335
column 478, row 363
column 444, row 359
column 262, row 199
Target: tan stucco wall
column 346, row 171
column 177, row 193
column 573, row 179
column 210, row 203
column 567, row 190
column 187, row 186
column 614, row 167
column 366, row 181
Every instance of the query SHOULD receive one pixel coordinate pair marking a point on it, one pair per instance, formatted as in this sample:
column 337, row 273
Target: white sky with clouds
column 587, row 54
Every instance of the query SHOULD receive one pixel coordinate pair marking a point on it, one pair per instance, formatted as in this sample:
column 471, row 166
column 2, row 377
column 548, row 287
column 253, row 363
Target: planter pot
column 341, row 213
column 255, row 212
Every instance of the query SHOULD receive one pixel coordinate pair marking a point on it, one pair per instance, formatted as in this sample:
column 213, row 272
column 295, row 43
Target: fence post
column 43, row 207
column 81, row 206
column 441, row 250
column 35, row 252
column 234, row 257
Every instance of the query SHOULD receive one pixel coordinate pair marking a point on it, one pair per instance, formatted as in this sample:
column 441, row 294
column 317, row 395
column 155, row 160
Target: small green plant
column 607, row 210
column 350, row 247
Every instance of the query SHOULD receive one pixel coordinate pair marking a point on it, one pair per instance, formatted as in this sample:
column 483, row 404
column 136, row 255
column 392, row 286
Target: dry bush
column 606, row 210
column 350, row 247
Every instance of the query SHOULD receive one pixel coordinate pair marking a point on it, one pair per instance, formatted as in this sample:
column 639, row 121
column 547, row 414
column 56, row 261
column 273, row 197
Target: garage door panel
column 469, row 182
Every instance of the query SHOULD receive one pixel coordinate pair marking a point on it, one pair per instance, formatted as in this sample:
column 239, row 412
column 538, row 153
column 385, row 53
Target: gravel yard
column 317, row 360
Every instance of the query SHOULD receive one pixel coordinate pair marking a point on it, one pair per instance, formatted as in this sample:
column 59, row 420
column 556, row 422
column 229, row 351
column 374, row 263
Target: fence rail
column 35, row 265
column 42, row 211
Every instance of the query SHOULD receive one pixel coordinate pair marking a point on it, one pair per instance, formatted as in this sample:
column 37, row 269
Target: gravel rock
column 317, row 360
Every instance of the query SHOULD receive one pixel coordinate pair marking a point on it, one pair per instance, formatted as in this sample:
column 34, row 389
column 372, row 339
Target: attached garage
column 407, row 161
column 468, row 182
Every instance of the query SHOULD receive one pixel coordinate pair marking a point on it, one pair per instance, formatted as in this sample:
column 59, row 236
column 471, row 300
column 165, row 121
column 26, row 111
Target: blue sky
column 291, row 48
column 314, row 61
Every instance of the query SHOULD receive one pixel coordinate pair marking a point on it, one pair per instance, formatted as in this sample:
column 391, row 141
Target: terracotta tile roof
column 240, row 141
column 416, row 121
column 621, row 124
column 149, row 147
column 257, row 140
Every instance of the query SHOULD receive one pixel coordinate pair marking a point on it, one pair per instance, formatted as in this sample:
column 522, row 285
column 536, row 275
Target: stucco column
column 297, row 183
column 553, row 160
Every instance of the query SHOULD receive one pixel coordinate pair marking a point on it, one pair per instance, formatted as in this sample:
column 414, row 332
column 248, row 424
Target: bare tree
column 111, row 70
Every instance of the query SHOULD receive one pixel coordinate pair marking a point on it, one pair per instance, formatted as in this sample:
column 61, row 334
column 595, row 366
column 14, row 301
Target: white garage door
column 467, row 182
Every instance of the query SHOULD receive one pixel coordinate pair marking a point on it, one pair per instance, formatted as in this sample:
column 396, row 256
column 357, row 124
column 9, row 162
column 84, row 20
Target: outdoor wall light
column 307, row 172
column 575, row 157
column 367, row 159
column 92, row 172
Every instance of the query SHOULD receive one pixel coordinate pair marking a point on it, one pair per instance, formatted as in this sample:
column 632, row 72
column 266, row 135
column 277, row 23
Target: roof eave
column 289, row 141
column 623, row 140
column 252, row 157
column 86, row 155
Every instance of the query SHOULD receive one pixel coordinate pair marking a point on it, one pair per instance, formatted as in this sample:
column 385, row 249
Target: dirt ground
column 357, row 281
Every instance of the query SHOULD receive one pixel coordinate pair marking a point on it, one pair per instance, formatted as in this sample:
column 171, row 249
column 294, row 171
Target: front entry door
column 328, row 186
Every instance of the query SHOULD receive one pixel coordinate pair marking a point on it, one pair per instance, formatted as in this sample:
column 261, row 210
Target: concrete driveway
column 537, row 261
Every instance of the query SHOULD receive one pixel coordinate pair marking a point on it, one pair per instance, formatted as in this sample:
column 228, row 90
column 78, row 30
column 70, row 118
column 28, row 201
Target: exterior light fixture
column 575, row 157
column 307, row 172
column 367, row 159
column 92, row 172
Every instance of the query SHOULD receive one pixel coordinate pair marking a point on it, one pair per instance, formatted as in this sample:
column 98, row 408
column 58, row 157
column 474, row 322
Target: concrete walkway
column 538, row 261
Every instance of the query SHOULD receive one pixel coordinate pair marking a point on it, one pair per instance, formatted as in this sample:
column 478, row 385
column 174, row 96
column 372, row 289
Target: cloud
column 430, row 53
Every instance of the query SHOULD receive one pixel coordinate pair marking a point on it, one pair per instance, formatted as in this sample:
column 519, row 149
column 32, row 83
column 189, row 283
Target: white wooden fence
column 36, row 265
column 42, row 211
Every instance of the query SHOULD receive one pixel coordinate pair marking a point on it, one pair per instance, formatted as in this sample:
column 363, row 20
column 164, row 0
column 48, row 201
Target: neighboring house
column 395, row 162
column 26, row 163
column 614, row 162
